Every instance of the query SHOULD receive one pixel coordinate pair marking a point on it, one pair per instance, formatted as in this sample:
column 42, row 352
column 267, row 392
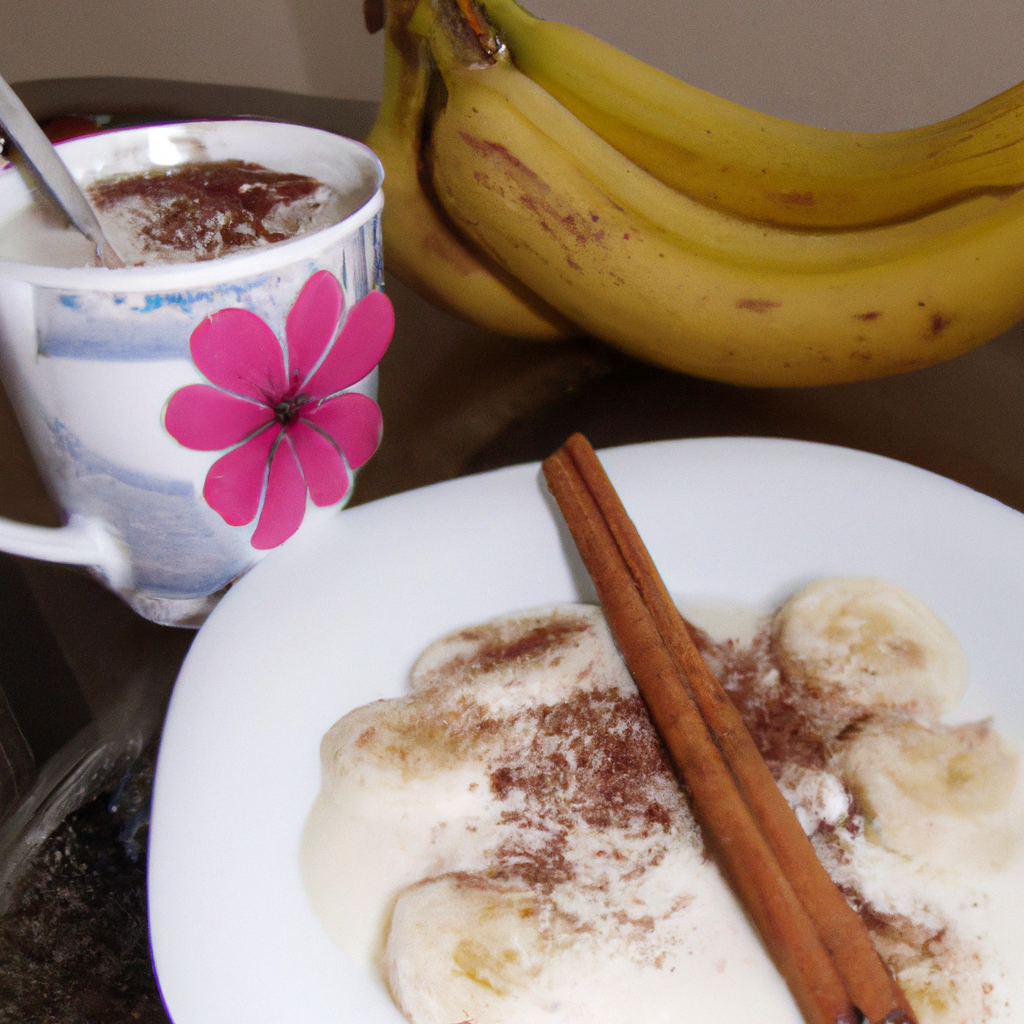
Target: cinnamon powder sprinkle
column 206, row 208
column 593, row 760
column 584, row 796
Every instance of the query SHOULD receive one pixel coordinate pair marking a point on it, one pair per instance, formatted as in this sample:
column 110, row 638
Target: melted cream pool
column 507, row 843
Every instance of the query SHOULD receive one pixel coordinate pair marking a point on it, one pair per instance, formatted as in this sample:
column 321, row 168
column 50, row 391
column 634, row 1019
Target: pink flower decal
column 290, row 428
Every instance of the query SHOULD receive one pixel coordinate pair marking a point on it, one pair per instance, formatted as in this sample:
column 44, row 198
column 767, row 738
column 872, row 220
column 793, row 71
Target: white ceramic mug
column 187, row 418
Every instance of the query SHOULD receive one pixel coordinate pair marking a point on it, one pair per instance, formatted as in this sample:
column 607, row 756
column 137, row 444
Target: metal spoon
column 51, row 173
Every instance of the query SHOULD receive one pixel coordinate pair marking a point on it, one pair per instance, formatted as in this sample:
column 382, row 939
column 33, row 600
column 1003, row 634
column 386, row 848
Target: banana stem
column 454, row 27
column 484, row 35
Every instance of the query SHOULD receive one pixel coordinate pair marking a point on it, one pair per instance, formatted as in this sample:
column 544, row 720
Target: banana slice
column 940, row 976
column 938, row 792
column 939, row 999
column 874, row 641
column 461, row 950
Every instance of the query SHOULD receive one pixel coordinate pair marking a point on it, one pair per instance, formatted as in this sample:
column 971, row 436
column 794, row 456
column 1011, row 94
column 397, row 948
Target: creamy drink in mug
column 195, row 409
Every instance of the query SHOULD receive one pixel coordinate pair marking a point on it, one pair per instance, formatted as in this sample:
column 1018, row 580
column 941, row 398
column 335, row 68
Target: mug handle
column 85, row 540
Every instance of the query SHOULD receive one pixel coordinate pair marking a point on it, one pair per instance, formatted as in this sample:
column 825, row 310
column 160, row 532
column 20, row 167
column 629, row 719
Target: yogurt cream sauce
column 508, row 843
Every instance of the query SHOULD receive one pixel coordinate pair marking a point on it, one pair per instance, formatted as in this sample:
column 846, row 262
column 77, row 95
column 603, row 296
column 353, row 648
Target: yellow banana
column 420, row 247
column 757, row 166
column 943, row 789
column 872, row 644
column 665, row 278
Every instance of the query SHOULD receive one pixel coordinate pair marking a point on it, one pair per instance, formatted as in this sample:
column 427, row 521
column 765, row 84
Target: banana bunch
column 757, row 166
column 589, row 191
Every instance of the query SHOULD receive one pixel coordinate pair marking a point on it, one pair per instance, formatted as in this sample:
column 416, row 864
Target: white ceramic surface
column 337, row 618
column 91, row 356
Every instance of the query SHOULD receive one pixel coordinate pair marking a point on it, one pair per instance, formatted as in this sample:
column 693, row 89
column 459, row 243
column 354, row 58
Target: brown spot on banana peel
column 939, row 323
column 535, row 195
column 792, row 198
column 513, row 166
column 873, row 314
column 948, row 146
column 757, row 305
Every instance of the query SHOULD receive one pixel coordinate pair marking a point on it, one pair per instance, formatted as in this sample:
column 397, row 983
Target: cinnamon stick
column 816, row 939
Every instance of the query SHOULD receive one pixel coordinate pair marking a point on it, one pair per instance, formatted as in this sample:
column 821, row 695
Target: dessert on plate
column 510, row 842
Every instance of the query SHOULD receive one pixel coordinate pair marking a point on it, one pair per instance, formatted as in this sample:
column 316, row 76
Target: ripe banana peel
column 762, row 167
column 689, row 284
column 420, row 247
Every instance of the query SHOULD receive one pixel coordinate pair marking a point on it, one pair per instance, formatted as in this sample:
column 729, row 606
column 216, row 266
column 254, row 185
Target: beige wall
column 306, row 46
column 859, row 64
column 848, row 63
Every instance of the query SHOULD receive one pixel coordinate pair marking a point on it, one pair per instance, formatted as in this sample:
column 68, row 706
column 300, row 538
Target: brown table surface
column 456, row 400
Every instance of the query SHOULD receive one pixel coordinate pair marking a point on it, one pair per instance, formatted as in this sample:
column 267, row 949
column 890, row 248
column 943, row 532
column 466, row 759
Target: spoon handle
column 50, row 171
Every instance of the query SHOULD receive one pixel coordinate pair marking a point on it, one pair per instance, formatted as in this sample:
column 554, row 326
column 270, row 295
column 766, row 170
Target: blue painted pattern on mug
column 182, row 549
column 131, row 327
column 88, row 462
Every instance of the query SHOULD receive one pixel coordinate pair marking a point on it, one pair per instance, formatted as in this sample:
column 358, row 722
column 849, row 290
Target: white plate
column 336, row 619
